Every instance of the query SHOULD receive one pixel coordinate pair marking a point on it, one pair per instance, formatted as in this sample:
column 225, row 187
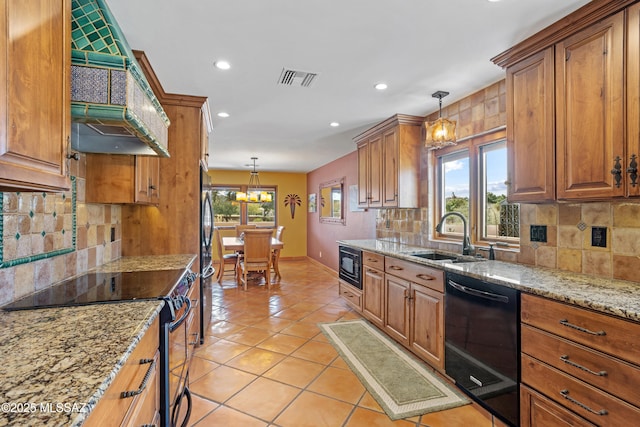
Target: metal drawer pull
column 144, row 382
column 372, row 260
column 565, row 394
column 565, row 359
column 425, row 277
column 393, row 267
column 565, row 322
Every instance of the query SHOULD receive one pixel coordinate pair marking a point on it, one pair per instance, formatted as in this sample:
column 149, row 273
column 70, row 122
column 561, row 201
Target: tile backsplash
column 569, row 236
column 39, row 245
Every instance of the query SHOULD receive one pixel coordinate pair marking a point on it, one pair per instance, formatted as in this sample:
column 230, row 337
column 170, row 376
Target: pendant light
column 441, row 132
column 253, row 194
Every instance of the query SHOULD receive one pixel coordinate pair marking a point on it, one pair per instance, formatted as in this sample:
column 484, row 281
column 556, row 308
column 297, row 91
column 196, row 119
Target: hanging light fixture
column 442, row 132
column 253, row 194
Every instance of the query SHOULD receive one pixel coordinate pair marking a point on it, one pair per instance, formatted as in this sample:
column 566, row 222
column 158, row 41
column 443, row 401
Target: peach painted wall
column 321, row 238
column 295, row 232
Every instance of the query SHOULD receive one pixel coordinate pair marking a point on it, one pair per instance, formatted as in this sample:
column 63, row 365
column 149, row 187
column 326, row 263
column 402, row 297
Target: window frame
column 472, row 146
column 244, row 211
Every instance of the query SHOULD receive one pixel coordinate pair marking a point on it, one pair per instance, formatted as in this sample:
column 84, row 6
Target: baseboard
column 321, row 265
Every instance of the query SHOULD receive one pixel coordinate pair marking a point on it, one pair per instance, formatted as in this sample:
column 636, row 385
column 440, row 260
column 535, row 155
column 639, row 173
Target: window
column 470, row 180
column 229, row 212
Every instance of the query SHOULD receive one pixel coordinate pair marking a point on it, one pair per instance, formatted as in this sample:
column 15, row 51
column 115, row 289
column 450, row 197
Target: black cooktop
column 98, row 288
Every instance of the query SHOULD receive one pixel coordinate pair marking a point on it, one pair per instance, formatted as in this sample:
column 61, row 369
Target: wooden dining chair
column 240, row 228
column 225, row 259
column 275, row 257
column 257, row 255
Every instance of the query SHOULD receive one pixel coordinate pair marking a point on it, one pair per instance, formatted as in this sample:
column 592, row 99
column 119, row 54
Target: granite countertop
column 611, row 296
column 56, row 363
column 65, row 356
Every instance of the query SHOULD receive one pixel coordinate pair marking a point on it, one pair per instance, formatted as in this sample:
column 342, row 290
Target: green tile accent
column 17, row 236
column 43, row 233
column 31, row 214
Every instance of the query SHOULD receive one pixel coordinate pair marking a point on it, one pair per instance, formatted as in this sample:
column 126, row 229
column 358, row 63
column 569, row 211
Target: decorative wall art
column 292, row 200
column 312, row 202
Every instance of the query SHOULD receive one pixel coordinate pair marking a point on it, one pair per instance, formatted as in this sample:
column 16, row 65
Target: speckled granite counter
column 66, row 356
column 148, row 263
column 617, row 297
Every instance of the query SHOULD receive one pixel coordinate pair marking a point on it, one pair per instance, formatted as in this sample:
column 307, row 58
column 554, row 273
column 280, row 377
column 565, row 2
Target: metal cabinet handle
column 425, row 276
column 144, row 382
column 393, row 267
column 617, row 171
column 632, row 170
column 565, row 394
column 565, row 359
column 565, row 322
column 372, row 260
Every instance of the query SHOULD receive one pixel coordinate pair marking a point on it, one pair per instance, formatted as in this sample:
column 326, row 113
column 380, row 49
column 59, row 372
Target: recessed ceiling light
column 223, row 114
column 334, row 124
column 381, row 86
column 494, row 1
column 222, row 65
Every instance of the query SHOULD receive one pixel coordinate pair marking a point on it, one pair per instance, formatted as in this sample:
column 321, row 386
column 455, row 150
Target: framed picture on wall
column 312, row 202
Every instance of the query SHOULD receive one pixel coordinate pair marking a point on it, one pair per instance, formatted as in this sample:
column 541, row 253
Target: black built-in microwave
column 350, row 265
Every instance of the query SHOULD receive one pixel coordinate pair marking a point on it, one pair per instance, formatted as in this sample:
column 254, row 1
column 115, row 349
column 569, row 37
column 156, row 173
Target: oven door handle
column 175, row 325
column 478, row 293
column 208, row 271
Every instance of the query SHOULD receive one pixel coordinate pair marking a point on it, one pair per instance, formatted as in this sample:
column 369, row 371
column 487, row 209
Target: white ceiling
column 415, row 46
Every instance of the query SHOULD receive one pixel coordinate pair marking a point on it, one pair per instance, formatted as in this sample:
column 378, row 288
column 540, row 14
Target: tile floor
column 266, row 363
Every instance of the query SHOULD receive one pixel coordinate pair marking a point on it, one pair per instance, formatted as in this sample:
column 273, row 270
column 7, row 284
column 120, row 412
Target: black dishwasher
column 482, row 343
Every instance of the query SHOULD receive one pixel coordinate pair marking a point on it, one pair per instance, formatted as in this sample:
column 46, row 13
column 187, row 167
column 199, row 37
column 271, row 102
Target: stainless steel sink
column 433, row 255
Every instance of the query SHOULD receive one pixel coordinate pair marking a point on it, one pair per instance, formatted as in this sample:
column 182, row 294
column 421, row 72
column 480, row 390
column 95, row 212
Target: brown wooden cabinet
column 629, row 167
column 414, row 308
column 584, row 365
column 538, row 411
column 114, row 178
column 531, row 129
column 139, row 409
column 590, row 110
column 373, row 287
column 389, row 163
column 351, row 294
column 205, row 128
column 35, row 94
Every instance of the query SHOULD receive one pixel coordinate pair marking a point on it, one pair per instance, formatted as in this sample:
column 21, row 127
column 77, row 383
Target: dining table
column 233, row 243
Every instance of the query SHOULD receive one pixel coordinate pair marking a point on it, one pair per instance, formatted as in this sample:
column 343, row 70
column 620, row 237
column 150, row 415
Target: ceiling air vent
column 296, row 78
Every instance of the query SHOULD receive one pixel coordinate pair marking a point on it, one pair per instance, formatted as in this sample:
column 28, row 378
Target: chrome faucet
column 467, row 247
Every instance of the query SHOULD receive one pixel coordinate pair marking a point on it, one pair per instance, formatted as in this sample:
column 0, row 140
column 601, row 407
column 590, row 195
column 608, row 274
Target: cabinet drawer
column 585, row 400
column 599, row 331
column 370, row 259
column 538, row 411
column 351, row 294
column 147, row 406
column 612, row 375
column 112, row 409
column 416, row 273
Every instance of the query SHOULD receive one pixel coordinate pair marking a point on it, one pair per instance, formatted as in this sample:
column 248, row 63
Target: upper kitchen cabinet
column 531, row 129
column 205, row 128
column 34, row 95
column 389, row 163
column 590, row 110
column 566, row 90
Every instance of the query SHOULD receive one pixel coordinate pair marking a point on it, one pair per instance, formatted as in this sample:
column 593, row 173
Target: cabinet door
column 633, row 97
column 390, row 166
column 363, row 174
column 538, row 411
column 373, row 295
column 427, row 325
column 589, row 110
column 375, row 171
column 531, row 129
column 35, row 94
column 147, row 180
column 396, row 314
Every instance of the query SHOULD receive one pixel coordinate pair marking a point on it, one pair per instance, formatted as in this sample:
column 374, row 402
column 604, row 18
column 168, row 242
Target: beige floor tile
column 282, row 343
column 295, row 372
column 263, row 398
column 221, row 383
column 221, row 351
column 302, row 329
column 199, row 367
column 256, row 360
column 316, row 352
column 313, row 410
column 249, row 336
column 227, row 417
column 365, row 417
column 466, row 415
column 201, row 408
column 338, row 384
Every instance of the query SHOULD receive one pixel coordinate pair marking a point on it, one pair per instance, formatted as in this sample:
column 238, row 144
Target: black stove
column 106, row 287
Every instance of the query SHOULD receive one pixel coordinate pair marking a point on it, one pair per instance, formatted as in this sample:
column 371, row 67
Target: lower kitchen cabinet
column 140, row 376
column 351, row 294
column 373, row 287
column 579, row 367
column 414, row 308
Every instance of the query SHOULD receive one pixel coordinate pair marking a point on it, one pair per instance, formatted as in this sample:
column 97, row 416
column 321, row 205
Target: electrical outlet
column 538, row 233
column 599, row 237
